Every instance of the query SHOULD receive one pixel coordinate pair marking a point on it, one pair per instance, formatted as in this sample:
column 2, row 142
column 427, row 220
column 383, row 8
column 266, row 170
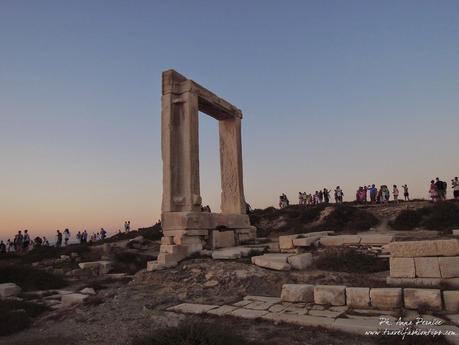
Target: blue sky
column 333, row 93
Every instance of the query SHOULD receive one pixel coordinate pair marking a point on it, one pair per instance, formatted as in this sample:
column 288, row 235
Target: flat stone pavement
column 355, row 321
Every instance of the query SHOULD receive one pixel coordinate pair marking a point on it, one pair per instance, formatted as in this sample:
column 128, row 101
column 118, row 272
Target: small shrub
column 16, row 315
column 41, row 253
column 30, row 278
column 440, row 216
column 130, row 262
column 13, row 321
column 193, row 333
column 351, row 261
column 407, row 220
column 348, row 218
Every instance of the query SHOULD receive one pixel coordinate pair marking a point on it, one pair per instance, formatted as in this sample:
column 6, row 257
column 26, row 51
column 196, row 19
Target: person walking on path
column 58, row 239
column 395, row 193
column 433, row 191
column 66, row 237
column 455, row 185
column 406, row 193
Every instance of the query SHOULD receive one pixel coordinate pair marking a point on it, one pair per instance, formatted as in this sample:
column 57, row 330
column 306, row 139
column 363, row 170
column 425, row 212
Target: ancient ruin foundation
column 186, row 229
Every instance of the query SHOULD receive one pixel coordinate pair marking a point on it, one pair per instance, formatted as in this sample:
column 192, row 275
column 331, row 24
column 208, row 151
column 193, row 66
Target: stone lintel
column 209, row 103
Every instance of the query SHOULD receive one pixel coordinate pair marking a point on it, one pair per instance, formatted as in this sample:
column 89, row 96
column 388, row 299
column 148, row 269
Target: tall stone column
column 232, row 198
column 180, row 152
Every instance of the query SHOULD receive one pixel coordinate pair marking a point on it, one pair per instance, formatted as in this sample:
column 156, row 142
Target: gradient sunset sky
column 333, row 93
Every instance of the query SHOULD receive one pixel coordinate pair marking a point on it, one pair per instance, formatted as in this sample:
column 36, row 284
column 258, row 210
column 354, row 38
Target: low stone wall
column 372, row 298
column 298, row 243
column 424, row 263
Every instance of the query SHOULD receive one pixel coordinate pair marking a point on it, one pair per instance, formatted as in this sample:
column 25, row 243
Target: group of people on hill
column 381, row 195
column 22, row 243
column 372, row 194
column 438, row 189
column 320, row 196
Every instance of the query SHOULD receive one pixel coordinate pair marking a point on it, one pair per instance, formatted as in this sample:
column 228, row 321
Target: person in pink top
column 433, row 191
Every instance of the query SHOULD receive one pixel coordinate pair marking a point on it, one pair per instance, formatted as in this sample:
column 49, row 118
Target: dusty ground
column 133, row 309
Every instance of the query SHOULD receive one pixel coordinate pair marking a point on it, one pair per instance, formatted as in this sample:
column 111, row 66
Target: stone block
column 305, row 242
column 191, row 308
column 413, row 249
column 297, row 293
column 276, row 262
column 422, row 298
column 402, row 267
column 102, row 267
column 358, row 297
column 447, row 247
column 300, row 320
column 330, row 294
column 73, row 298
column 223, row 310
column 375, row 239
column 386, row 298
column 410, row 282
column 340, row 240
column 88, row 291
column 9, row 290
column 286, row 242
column 227, row 254
column 427, row 267
column 451, row 299
column 273, row 247
column 301, row 261
column 223, row 239
column 248, row 313
column 449, row 266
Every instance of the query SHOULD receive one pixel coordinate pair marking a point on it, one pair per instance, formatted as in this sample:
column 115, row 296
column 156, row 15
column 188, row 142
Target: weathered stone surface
column 451, row 299
column 227, row 254
column 325, row 313
column 301, row 261
column 223, row 239
column 268, row 299
column 419, row 282
column 305, row 242
column 421, row 298
column 273, row 247
column 413, row 249
column 276, row 262
column 103, row 267
column 427, row 267
column 447, row 247
column 300, row 320
column 9, row 289
column 386, row 298
column 449, row 266
column 402, row 267
column 297, row 293
column 191, row 308
column 375, row 239
column 340, row 240
column 330, row 294
column 286, row 242
column 358, row 297
column 73, row 298
column 260, row 305
column 248, row 313
column 223, row 310
column 88, row 291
